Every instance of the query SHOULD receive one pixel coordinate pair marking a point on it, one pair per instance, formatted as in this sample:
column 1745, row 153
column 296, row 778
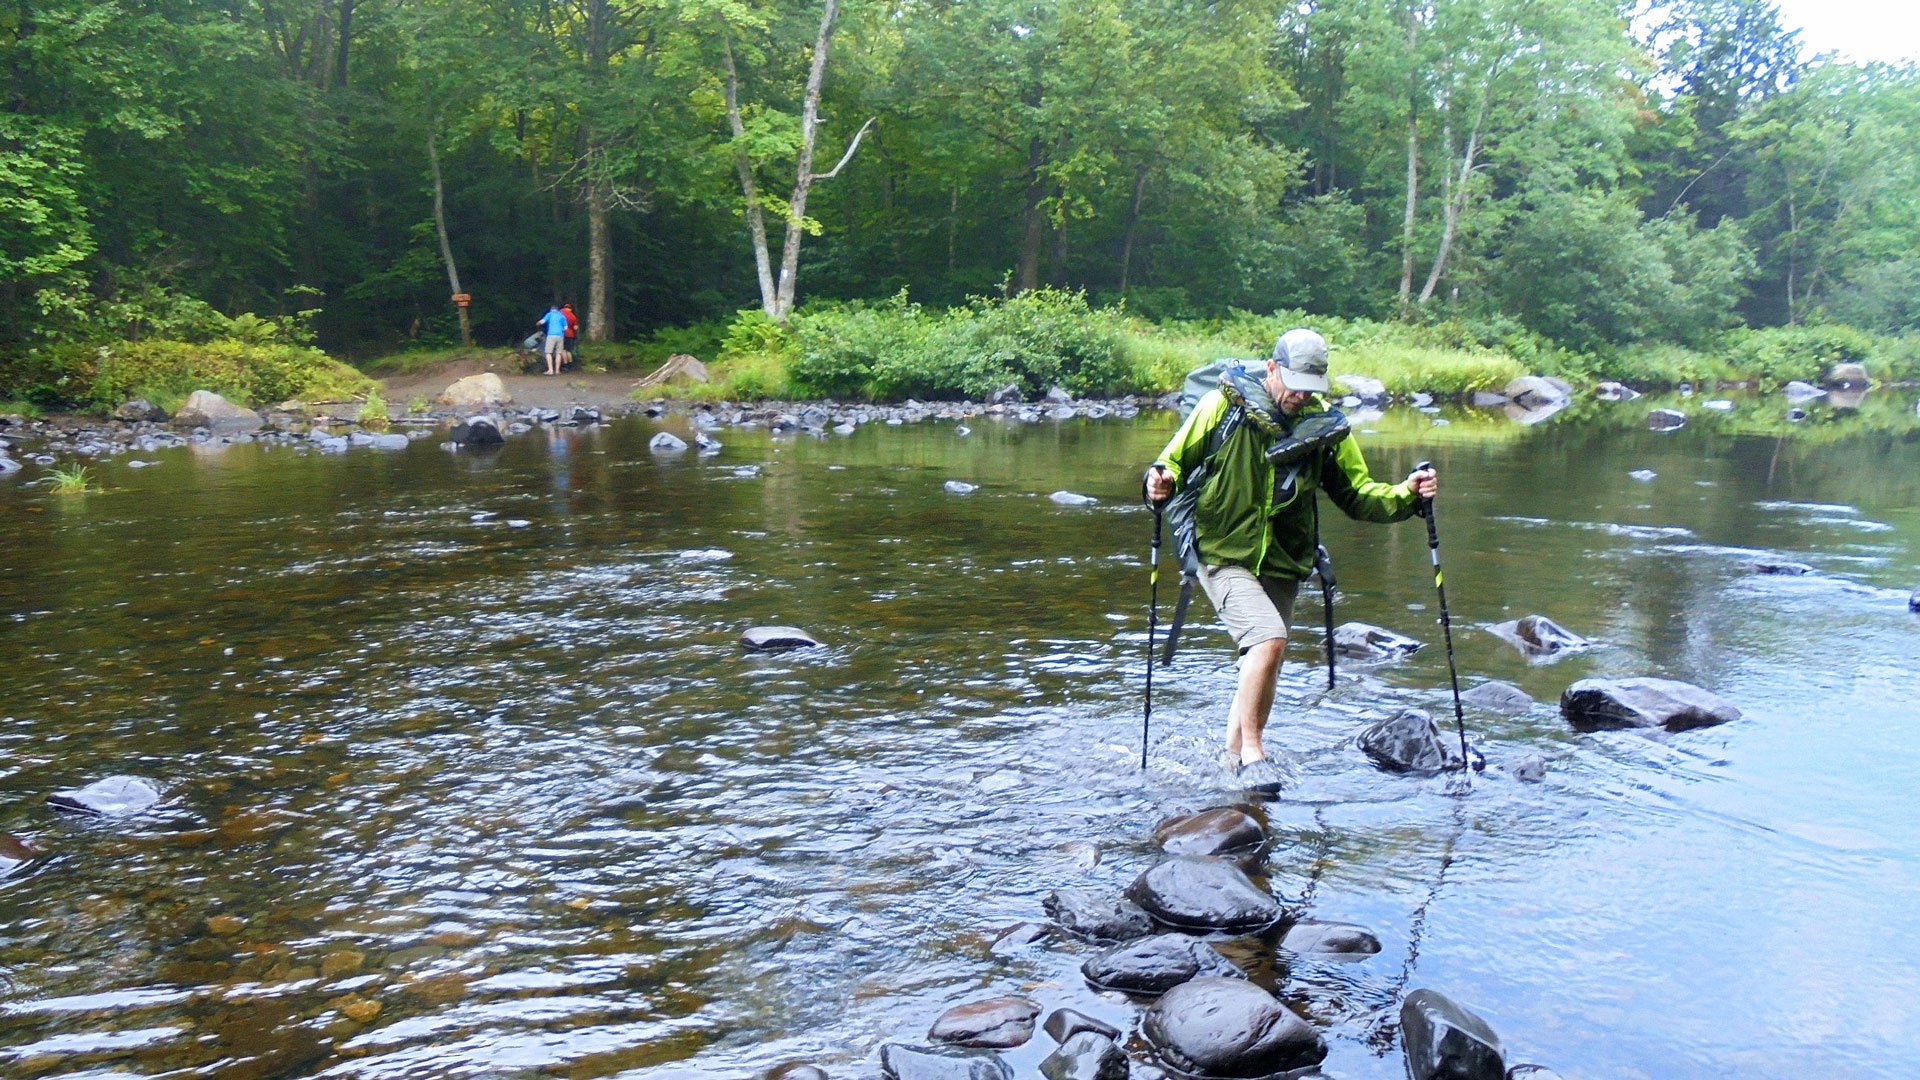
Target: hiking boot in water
column 1263, row 777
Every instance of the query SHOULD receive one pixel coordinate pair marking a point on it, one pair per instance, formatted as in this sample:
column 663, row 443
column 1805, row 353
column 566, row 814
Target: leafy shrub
column 165, row 372
column 373, row 411
column 1781, row 354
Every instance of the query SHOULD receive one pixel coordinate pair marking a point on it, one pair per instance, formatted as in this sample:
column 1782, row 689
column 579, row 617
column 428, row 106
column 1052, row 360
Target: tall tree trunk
column 803, row 168
column 346, row 41
column 599, row 264
column 440, row 228
column 1133, row 226
column 749, row 187
column 1459, row 190
column 1413, row 162
column 1026, row 273
column 953, row 224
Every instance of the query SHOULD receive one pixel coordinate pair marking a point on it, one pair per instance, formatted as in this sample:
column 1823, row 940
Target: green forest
column 1586, row 185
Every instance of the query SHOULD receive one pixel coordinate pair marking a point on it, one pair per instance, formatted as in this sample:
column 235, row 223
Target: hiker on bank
column 573, row 334
column 1253, row 453
column 555, row 324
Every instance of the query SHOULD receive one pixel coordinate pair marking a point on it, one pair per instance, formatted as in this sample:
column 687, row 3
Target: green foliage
column 757, row 376
column 895, row 350
column 166, row 372
column 1781, row 354
column 373, row 411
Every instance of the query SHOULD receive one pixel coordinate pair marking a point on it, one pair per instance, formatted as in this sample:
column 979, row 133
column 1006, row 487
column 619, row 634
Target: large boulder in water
column 1446, row 1041
column 1089, row 915
column 1538, row 392
column 135, row 410
column 1411, row 742
column 1154, row 965
column 116, row 796
column 1222, row 830
column 1364, row 642
column 1213, row 1027
column 482, row 430
column 996, row 1022
column 1203, row 893
column 1064, row 1024
column 900, row 1062
column 209, row 410
column 1602, row 704
column 1537, row 635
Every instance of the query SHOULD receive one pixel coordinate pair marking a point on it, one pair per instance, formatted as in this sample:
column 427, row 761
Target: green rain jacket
column 1240, row 519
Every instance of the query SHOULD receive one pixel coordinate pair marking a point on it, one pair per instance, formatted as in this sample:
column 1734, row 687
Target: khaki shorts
column 1255, row 609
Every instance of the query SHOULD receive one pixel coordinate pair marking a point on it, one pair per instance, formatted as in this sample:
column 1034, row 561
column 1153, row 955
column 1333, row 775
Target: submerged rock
column 995, row 1023
column 1645, row 476
column 1222, row 830
column 15, row 853
column 1498, row 697
column 116, row 796
column 770, row 638
column 1064, row 1024
column 1085, row 914
column 1601, row 704
column 797, row 1070
column 1087, row 1055
column 960, row 487
column 1772, row 566
column 1613, row 391
column 1410, row 742
column 1666, row 420
column 1204, row 893
column 1536, row 391
column 1154, row 965
column 1537, row 635
column 1532, row 1072
column 1069, row 498
column 1361, row 641
column 1018, row 938
column 1797, row 391
column 1446, row 1041
column 1212, row 1027
column 902, row 1062
column 477, row 431
column 1913, row 602
column 1330, row 939
column 1530, row 769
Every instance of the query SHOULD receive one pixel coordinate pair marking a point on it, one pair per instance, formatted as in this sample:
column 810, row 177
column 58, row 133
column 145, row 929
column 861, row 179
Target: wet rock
column 1222, row 830
column 1773, row 566
column 814, row 418
column 15, row 853
column 1532, row 1072
column 482, row 391
column 1537, row 635
column 389, row 442
column 666, row 442
column 797, row 1070
column 206, row 409
column 901, row 1062
column 1842, row 399
column 1213, row 1027
column 1061, row 412
column 1086, row 1056
column 1085, row 914
column 707, row 443
column 960, row 487
column 996, row 1023
column 1446, row 1041
column 1009, row 394
column 1846, row 376
column 1498, row 697
column 1019, row 938
column 1064, row 1024
column 1913, row 602
column 138, row 409
column 1411, row 743
column 116, row 796
column 1798, row 392
column 1204, row 893
column 1068, row 498
column 1796, row 415
column 1368, row 389
column 1487, row 399
column 1537, row 392
column 843, row 429
column 1154, row 965
column 1330, row 939
column 1530, row 769
column 1058, row 396
column 1645, row 476
column 1600, row 704
column 771, row 638
column 1613, row 391
column 1666, row 420
column 481, row 430
column 1360, row 641
column 582, row 415
column 962, row 431
column 8, row 465
column 1085, row 855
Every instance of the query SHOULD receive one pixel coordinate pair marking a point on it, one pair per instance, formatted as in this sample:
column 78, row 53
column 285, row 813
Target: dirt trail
column 606, row 390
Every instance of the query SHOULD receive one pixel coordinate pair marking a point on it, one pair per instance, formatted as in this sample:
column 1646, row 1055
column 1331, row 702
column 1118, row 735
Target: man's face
column 1290, row 401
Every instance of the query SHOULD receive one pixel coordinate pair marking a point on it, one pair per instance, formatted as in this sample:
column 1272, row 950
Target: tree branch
column 848, row 156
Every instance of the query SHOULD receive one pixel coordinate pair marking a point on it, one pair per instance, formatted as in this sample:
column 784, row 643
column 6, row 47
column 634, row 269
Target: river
column 468, row 774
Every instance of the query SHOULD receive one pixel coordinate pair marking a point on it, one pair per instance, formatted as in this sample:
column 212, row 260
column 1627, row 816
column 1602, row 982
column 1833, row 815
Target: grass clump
column 373, row 412
column 75, row 481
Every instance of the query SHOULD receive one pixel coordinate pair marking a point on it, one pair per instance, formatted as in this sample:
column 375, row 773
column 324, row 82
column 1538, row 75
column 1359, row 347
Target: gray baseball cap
column 1302, row 356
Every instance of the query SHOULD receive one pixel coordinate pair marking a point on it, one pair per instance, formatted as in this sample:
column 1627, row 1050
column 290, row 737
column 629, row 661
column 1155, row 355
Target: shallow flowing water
column 469, row 776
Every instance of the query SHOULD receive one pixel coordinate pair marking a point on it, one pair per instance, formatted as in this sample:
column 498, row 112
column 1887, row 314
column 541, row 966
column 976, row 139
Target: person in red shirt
column 573, row 334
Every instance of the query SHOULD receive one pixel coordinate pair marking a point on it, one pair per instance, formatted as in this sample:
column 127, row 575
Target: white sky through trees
column 1864, row 30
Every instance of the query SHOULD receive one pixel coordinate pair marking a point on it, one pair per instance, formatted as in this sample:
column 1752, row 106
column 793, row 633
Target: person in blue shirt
column 555, row 324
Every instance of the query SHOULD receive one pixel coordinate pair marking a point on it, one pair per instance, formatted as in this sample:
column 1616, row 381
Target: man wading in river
column 1254, row 451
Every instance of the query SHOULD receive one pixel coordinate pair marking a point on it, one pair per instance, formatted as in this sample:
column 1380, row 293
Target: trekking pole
column 1153, row 619
column 1323, row 567
column 1446, row 627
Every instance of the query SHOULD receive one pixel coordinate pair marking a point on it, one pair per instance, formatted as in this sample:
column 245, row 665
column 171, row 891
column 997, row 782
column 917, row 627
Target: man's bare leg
column 1253, row 699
